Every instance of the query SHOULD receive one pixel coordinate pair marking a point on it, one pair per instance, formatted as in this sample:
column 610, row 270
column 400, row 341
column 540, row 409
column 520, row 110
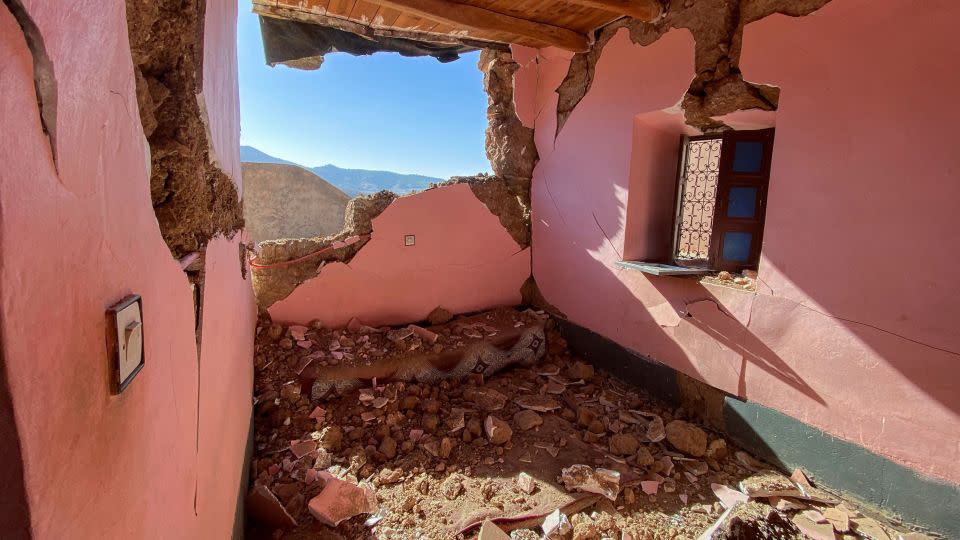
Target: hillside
column 351, row 181
column 287, row 201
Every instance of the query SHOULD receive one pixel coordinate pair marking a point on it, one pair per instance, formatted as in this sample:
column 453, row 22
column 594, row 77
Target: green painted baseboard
column 789, row 443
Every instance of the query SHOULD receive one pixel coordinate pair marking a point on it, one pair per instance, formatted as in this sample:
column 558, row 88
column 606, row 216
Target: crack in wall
column 718, row 86
column 44, row 76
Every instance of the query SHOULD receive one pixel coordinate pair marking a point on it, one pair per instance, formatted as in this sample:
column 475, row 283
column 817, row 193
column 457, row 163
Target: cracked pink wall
column 463, row 260
column 853, row 329
column 165, row 457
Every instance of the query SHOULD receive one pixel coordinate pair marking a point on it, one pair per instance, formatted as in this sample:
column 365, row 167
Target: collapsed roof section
column 298, row 33
column 303, row 45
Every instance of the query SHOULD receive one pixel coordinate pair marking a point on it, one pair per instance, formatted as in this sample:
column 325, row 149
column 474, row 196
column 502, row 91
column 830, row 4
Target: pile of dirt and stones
column 549, row 450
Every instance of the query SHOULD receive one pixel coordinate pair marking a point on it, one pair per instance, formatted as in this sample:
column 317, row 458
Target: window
column 720, row 204
column 721, row 200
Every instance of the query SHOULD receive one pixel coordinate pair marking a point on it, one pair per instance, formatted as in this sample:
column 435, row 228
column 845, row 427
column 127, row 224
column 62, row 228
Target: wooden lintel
column 642, row 10
column 485, row 20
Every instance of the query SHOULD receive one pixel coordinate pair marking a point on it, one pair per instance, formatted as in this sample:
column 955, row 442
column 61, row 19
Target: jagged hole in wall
column 512, row 155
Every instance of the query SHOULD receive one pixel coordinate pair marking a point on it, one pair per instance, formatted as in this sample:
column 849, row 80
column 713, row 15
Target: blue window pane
column 742, row 202
column 748, row 157
column 736, row 246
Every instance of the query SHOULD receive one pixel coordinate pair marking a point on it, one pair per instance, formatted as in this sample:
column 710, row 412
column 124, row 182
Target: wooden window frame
column 728, row 178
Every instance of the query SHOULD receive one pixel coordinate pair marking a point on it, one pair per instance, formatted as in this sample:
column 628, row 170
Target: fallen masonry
column 486, row 427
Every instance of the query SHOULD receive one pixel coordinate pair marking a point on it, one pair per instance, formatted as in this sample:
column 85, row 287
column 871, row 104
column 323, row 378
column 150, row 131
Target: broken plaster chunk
column 424, row 334
column 298, row 332
column 728, row 496
column 340, row 500
column 489, row 531
column 556, row 525
column 650, row 487
column 581, row 477
column 538, row 403
column 655, row 430
column 302, row 448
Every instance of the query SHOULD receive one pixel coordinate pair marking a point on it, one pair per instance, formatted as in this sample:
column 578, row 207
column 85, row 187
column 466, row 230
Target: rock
column 452, row 487
column 388, row 447
column 717, row 449
column 390, row 476
column 687, row 438
column 526, row 483
column 498, row 432
column 446, row 446
column 596, row 427
column 581, row 370
column 643, row 457
column 585, row 478
column 340, row 500
column 331, row 438
column 623, row 444
column 439, row 316
column 487, row 399
column 584, row 528
column 527, row 419
column 286, row 343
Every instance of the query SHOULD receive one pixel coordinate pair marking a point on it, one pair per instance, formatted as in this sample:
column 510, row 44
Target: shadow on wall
column 833, row 313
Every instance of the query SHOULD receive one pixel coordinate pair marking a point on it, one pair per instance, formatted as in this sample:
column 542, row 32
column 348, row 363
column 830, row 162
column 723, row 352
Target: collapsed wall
column 285, row 264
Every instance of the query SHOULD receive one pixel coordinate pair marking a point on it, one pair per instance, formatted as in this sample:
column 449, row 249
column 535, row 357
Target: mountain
column 351, row 181
column 286, row 201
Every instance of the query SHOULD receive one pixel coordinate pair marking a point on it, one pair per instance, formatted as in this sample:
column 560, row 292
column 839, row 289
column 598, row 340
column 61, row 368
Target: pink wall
column 463, row 260
column 72, row 244
column 853, row 329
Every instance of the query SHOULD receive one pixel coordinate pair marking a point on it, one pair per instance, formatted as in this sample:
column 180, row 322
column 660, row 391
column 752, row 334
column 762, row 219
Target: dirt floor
column 433, row 460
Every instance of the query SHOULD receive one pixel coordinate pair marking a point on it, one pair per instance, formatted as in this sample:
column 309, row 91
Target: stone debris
column 442, row 451
column 687, row 438
column 527, row 419
column 587, row 479
column 526, row 483
column 341, row 500
column 498, row 432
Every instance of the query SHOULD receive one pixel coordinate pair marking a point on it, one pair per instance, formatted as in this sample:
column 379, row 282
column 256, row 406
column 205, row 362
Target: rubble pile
column 550, row 450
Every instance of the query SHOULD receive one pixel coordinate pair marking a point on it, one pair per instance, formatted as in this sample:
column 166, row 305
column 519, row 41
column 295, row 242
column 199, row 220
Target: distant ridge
column 351, row 181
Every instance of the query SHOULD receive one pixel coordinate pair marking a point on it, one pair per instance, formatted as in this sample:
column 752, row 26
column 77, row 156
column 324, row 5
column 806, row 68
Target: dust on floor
column 553, row 449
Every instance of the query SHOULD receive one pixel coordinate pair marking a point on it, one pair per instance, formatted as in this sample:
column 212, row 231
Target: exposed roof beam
column 642, row 10
column 476, row 18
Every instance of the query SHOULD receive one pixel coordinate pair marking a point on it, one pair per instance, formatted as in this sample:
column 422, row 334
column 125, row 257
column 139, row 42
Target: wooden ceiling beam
column 485, row 20
column 642, row 10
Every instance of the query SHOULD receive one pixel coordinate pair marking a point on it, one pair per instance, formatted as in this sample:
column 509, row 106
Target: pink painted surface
column 74, row 243
column 463, row 260
column 854, row 328
column 220, row 94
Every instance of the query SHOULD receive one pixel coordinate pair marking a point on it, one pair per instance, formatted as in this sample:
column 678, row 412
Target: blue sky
column 384, row 111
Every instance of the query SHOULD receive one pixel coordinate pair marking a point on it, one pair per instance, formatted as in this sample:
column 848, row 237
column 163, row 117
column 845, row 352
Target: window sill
column 660, row 269
column 745, row 282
